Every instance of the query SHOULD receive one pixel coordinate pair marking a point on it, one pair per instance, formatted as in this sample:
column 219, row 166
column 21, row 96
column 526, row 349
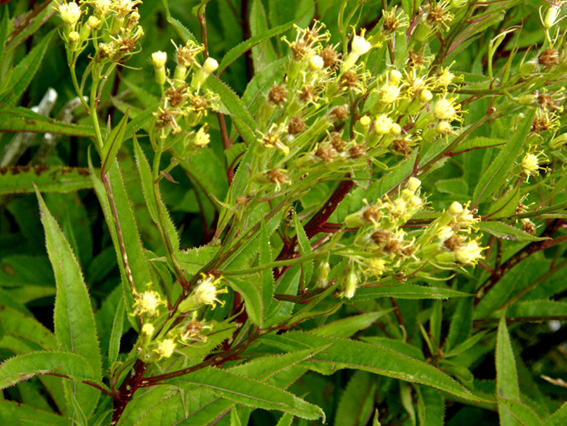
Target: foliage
column 354, row 215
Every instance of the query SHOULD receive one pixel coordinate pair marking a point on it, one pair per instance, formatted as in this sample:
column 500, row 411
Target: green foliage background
column 471, row 347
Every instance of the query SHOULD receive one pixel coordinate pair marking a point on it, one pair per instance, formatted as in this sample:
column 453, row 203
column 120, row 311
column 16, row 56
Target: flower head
column 469, row 253
column 147, row 303
column 165, row 348
column 70, row 13
column 202, row 138
column 360, row 45
column 446, row 109
column 207, row 291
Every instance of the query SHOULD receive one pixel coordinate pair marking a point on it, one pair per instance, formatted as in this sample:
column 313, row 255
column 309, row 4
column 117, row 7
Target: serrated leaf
column 506, row 374
column 154, row 202
column 430, row 407
column 505, row 205
column 21, row 179
column 406, row 291
column 508, row 232
column 246, row 391
column 23, row 73
column 252, row 297
column 477, row 143
column 558, row 418
column 522, row 414
column 351, row 354
column 194, row 259
column 27, row 327
column 137, row 261
column 357, row 400
column 237, row 51
column 267, row 289
column 116, row 333
column 265, row 54
column 233, row 104
column 74, row 322
column 537, row 309
column 12, row 413
column 346, row 327
column 304, row 250
column 494, row 177
column 112, row 145
column 20, row 119
column 26, row 366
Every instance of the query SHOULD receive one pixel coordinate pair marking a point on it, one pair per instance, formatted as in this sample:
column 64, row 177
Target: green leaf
column 558, row 418
column 116, row 334
column 505, row 205
column 506, row 373
column 74, row 322
column 26, row 327
column 265, row 54
column 357, row 401
column 153, row 199
column 112, row 145
column 522, row 414
column 21, row 179
column 406, row 291
column 304, row 250
column 233, row 106
column 26, row 366
column 12, row 413
column 430, row 407
column 494, row 177
column 351, row 354
column 134, row 251
column 346, row 327
column 234, row 53
column 508, row 232
column 477, row 143
column 267, row 274
column 246, row 391
column 538, row 309
column 23, row 73
column 19, row 119
column 192, row 260
column 252, row 297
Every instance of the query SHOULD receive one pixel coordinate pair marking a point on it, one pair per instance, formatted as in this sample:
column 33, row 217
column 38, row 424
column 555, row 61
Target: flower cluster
column 184, row 102
column 112, row 26
column 155, row 345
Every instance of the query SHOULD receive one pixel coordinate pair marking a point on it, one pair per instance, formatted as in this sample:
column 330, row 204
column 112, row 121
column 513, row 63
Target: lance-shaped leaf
column 26, row 366
column 494, row 177
column 74, row 322
column 128, row 244
column 522, row 413
column 152, row 195
column 508, row 232
column 112, row 144
column 25, row 70
column 247, row 391
column 407, row 291
column 558, row 418
column 19, row 119
column 234, row 53
column 250, row 291
column 21, row 179
column 351, row 354
column 12, row 413
column 506, row 374
column 357, row 400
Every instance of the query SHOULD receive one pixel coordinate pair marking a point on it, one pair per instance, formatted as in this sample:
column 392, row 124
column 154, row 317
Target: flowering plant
column 377, row 208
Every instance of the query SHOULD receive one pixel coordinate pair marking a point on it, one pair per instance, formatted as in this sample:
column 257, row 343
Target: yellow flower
column 207, row 291
column 147, row 303
column 70, row 13
column 165, row 348
column 202, row 138
column 446, row 109
column 469, row 253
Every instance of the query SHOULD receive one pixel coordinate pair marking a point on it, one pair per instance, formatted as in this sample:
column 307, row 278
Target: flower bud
column 316, row 63
column 70, row 13
column 456, row 208
column 159, row 60
column 322, row 274
column 351, row 283
column 210, row 65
